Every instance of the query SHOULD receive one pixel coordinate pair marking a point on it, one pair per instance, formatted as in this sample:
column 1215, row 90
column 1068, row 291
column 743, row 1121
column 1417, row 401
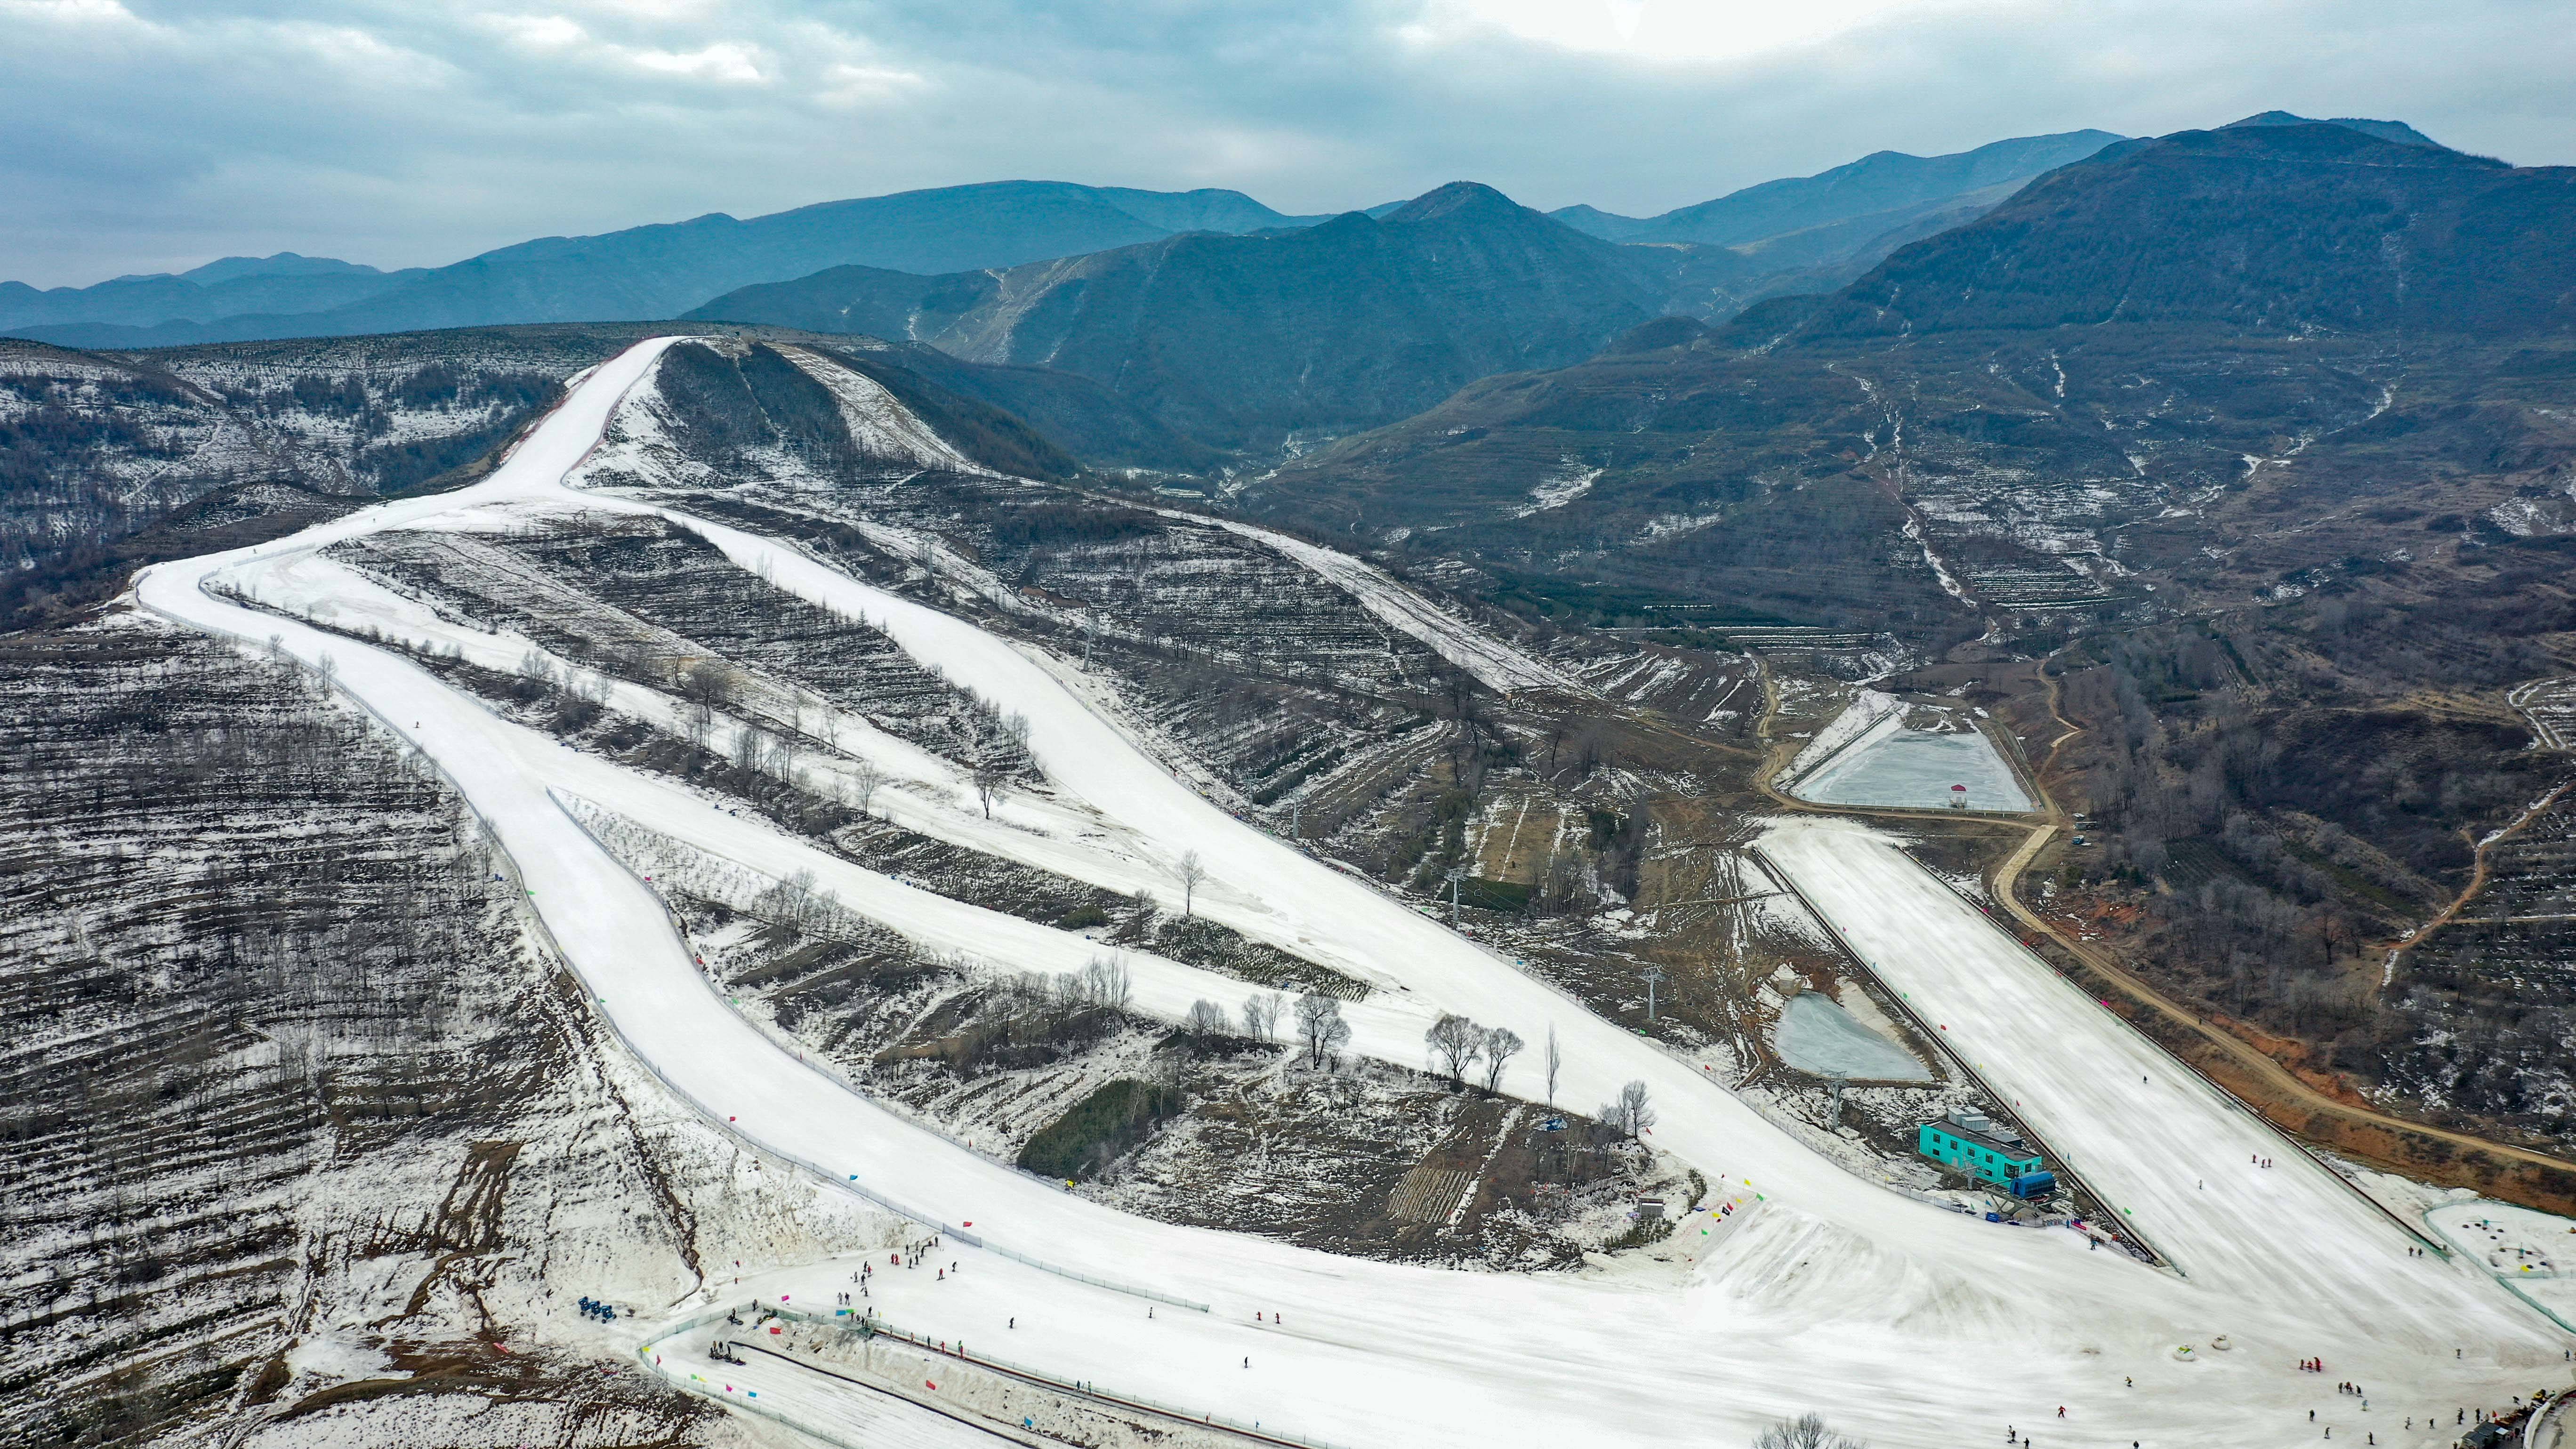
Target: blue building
column 1985, row 1149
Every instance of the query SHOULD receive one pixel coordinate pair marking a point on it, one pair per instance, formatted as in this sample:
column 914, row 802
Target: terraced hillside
column 303, row 1132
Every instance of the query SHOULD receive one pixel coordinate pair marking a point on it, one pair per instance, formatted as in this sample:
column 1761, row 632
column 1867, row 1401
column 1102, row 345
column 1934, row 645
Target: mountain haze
column 1239, row 340
column 1889, row 185
column 638, row 273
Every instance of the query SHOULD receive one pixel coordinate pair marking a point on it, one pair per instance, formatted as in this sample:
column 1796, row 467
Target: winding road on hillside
column 1909, row 1325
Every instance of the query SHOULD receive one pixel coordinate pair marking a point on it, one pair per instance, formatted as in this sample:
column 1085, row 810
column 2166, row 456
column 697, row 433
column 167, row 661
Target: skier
column 1015, row 1323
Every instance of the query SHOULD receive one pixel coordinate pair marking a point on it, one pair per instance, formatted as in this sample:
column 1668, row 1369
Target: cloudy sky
column 145, row 135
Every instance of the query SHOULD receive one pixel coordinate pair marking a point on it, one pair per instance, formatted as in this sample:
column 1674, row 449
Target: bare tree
column 1455, row 1042
column 537, row 671
column 1630, row 1114
column 863, row 779
column 1106, row 981
column 1190, row 871
column 707, row 683
column 989, row 778
column 1807, row 1431
column 1501, row 1045
column 1261, row 1015
column 1320, row 1027
column 1206, row 1018
column 1555, row 1061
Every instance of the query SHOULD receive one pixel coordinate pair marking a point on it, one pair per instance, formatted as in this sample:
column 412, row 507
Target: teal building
column 1979, row 1147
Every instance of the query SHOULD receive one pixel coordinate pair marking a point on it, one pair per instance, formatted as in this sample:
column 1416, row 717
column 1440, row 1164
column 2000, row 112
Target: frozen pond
column 1815, row 1035
column 1892, row 765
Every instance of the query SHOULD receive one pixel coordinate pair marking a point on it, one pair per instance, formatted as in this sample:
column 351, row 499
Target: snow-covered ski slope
column 1910, row 1325
column 1496, row 665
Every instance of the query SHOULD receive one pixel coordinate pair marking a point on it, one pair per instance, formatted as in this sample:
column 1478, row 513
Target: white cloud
column 1671, row 31
column 68, row 12
column 728, row 61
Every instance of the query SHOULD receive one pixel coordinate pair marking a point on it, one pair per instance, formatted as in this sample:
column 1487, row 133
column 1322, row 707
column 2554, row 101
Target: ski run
column 1905, row 1324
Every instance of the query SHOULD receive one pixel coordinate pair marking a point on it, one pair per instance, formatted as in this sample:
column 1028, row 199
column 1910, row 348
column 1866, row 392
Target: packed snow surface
column 1815, row 1035
column 1887, row 764
column 1908, row 1324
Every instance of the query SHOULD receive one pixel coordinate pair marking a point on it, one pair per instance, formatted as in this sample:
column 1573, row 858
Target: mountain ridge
column 636, row 273
column 1241, row 340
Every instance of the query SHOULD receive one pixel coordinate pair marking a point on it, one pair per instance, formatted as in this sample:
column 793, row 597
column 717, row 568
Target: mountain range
column 640, row 273
column 1886, row 189
column 1799, row 234
column 1243, row 340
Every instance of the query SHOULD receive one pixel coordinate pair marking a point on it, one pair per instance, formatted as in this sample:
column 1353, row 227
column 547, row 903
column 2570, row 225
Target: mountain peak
column 2397, row 131
column 1458, row 198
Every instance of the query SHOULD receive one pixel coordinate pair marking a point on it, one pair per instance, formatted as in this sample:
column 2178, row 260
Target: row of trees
column 1313, row 1021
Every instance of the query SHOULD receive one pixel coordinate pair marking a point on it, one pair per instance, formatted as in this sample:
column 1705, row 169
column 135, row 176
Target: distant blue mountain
column 2397, row 131
column 1889, row 188
column 641, row 273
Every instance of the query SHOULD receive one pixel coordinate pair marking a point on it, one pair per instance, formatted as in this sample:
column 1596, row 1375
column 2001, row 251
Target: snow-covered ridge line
column 879, row 423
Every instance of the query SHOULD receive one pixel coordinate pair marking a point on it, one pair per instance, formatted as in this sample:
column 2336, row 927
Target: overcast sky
column 147, row 135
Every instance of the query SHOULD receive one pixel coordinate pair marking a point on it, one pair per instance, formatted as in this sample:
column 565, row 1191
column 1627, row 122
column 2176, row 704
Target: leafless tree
column 861, row 783
column 707, row 683
column 1455, row 1043
column 537, row 671
column 1501, row 1045
column 1106, row 981
column 1630, row 1114
column 1190, row 871
column 1320, row 1027
column 1807, row 1431
column 1261, row 1015
column 1206, row 1018
column 990, row 776
column 1555, row 1061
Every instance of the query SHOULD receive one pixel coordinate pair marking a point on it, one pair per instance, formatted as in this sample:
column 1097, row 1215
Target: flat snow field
column 1907, row 1324
column 1890, row 765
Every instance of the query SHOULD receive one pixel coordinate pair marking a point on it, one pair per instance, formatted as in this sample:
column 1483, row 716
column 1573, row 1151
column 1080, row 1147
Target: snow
column 1558, row 489
column 1866, row 709
column 1815, row 1035
column 1887, row 764
column 1838, row 1294
column 879, row 425
column 2171, row 1150
column 2533, row 1252
column 1495, row 664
